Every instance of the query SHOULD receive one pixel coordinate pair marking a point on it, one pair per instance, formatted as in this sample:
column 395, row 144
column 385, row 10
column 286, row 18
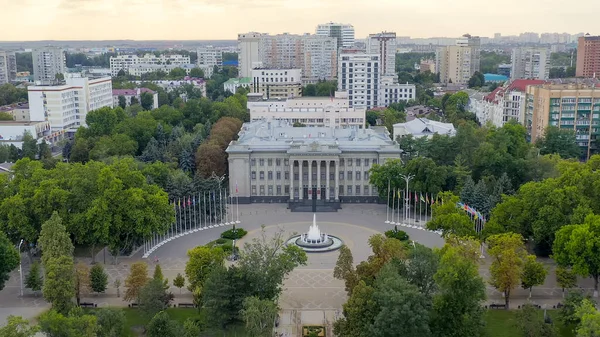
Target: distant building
column 124, row 62
column 19, row 111
column 320, row 58
column 530, row 63
column 11, row 132
column 47, row 63
column 423, row 127
column 588, row 56
column 457, row 63
column 128, row 94
column 8, row 67
column 277, row 83
column 427, row 65
column 359, row 75
column 141, row 69
column 332, row 112
column 343, row 33
column 248, row 57
column 390, row 91
column 233, row 83
column 210, row 56
column 66, row 106
column 383, row 44
column 505, row 70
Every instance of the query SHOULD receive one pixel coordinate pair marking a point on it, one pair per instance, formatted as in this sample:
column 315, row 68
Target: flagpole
column 387, row 205
column 399, row 199
column 393, row 203
column 215, row 207
column 426, row 202
column 221, row 207
column 180, row 218
column 204, row 209
column 226, row 209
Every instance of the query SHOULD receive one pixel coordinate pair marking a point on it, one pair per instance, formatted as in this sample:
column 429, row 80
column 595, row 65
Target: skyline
column 183, row 19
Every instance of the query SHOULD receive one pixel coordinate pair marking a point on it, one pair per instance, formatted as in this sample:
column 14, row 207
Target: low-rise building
column 141, row 69
column 427, row 65
column 128, row 94
column 390, row 91
column 423, row 127
column 11, row 132
column 274, row 162
column 309, row 111
column 124, row 62
column 19, row 111
column 168, row 85
column 233, row 83
column 277, row 83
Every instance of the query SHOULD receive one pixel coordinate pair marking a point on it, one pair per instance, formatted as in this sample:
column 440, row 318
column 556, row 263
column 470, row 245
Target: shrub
column 396, row 234
column 220, row 241
column 231, row 235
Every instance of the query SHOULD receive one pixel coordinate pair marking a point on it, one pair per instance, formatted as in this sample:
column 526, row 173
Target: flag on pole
column 398, row 194
column 236, row 187
column 189, row 201
column 179, row 203
column 194, row 200
column 422, row 199
column 426, row 198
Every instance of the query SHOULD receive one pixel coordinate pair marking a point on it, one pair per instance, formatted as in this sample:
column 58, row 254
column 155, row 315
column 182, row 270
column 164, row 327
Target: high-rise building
column 277, row 83
column 281, row 51
column 566, row 106
column 47, row 63
column 344, row 33
column 384, row 44
column 8, row 67
column 358, row 74
column 209, row 56
column 457, row 63
column 125, row 62
column 588, row 56
column 320, row 58
column 248, row 49
column 530, row 63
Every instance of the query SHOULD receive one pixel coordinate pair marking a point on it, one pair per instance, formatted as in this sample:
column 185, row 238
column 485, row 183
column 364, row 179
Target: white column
column 337, row 180
column 310, row 196
column 319, row 196
column 300, row 185
column 353, row 168
column 291, row 175
column 327, row 162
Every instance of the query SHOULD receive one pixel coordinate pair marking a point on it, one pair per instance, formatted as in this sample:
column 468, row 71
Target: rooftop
column 242, row 80
column 130, row 92
column 423, row 126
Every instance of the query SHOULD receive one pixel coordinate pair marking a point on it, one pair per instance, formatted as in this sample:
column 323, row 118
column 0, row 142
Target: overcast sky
column 223, row 19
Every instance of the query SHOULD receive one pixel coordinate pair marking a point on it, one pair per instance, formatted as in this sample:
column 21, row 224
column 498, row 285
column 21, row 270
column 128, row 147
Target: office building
column 456, row 64
column 358, row 74
column 124, row 62
column 274, row 162
column 383, row 44
column 209, row 56
column 66, row 106
column 566, row 106
column 334, row 111
column 343, row 33
column 8, row 67
column 47, row 63
column 423, row 127
column 390, row 91
column 129, row 94
column 277, row 83
column 248, row 57
column 530, row 63
column 588, row 56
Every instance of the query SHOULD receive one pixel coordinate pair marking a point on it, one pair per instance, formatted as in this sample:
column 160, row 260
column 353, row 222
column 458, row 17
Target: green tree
column 559, row 141
column 477, row 80
column 197, row 73
column 359, row 312
column 202, row 261
column 44, row 151
column 81, row 151
column 533, row 274
column 179, row 281
column 16, row 326
column 223, row 294
column 572, row 301
column 59, row 286
column 122, row 101
column 147, row 100
column 420, row 267
column 450, row 219
column 457, row 306
column 565, row 278
column 54, row 323
column 98, row 278
column 111, row 322
column 34, row 280
column 532, row 324
column 344, row 269
column 9, row 258
column 177, row 74
column 259, row 316
column 162, row 325
column 589, row 318
column 81, row 278
column 158, row 275
column 30, row 147
column 153, row 298
column 508, row 258
column 102, row 122
column 136, row 280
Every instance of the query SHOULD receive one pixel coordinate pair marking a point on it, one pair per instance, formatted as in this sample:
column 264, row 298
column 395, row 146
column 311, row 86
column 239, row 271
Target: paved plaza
column 309, row 291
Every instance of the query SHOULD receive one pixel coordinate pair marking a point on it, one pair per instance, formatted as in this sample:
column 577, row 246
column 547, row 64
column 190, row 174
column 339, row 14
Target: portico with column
column 323, row 185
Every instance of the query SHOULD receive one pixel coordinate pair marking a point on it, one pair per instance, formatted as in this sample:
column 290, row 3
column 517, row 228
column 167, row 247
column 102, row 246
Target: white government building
column 332, row 111
column 275, row 162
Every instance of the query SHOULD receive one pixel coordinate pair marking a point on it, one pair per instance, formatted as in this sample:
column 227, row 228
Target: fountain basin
column 333, row 243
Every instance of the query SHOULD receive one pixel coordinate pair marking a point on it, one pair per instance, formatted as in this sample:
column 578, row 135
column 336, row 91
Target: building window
column 261, row 162
column 357, row 190
column 278, row 175
column 366, row 162
column 296, row 175
column 341, row 189
column 349, row 175
column 287, row 189
column 350, row 162
column 262, row 190
column 278, row 190
column 374, row 161
column 287, row 175
column 270, row 162
column 358, row 162
column 253, row 175
column 331, row 175
column 366, row 175
column 252, row 162
column 270, row 175
column 358, row 175
column 270, row 190
column 286, row 162
column 349, row 189
column 277, row 162
column 366, row 190
column 253, row 189
column 341, row 175
column 262, row 175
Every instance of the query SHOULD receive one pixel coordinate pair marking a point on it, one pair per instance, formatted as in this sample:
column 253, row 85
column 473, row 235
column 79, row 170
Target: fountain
column 314, row 240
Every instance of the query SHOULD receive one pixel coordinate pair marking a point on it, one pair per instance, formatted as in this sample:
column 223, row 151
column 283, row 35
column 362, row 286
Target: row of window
column 286, row 175
column 286, row 162
column 345, row 190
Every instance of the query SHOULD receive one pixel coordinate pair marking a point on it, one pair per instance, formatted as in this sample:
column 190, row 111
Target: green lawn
column 502, row 323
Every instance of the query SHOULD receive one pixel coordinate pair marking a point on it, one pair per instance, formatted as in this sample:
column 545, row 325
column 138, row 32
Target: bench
column 186, row 305
column 133, row 305
column 558, row 306
column 88, row 305
column 497, row 306
column 537, row 306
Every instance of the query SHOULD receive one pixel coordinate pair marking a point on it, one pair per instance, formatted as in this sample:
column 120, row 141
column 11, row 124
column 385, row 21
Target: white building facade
column 66, row 106
column 47, row 63
column 530, row 63
column 384, row 44
column 423, row 127
column 358, row 74
column 8, row 67
column 320, row 58
column 273, row 163
column 390, row 91
column 124, row 62
column 343, row 33
column 277, row 83
column 141, row 69
column 248, row 53
column 209, row 56
column 233, row 83
column 334, row 112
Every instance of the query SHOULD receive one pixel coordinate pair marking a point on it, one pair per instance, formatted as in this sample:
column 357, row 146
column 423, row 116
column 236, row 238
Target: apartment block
column 427, row 65
column 566, row 106
column 320, row 58
column 359, row 75
column 47, row 63
column 277, row 83
column 8, row 67
column 124, row 62
column 383, row 44
column 209, row 56
column 248, row 53
column 343, row 33
column 457, row 63
column 588, row 56
column 530, row 63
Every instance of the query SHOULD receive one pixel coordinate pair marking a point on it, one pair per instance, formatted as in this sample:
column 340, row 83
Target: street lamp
column 20, row 268
column 407, row 178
